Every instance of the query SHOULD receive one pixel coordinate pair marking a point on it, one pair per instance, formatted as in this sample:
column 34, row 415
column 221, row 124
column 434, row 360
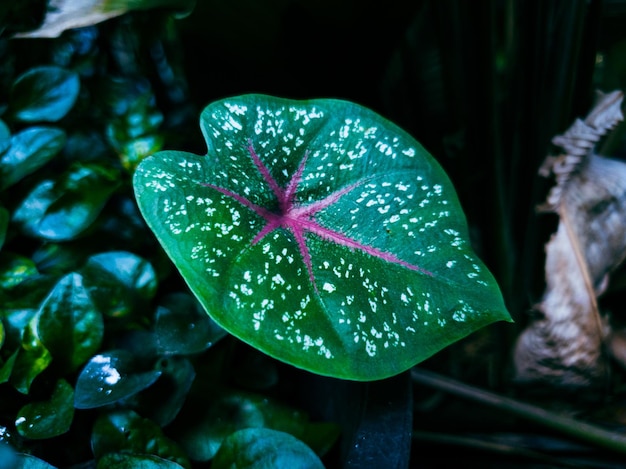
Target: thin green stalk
column 583, row 431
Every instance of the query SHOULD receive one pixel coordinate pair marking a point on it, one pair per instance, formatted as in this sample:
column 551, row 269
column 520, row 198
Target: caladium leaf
column 321, row 234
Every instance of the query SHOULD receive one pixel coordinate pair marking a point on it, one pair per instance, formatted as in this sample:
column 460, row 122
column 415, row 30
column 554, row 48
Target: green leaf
column 32, row 358
column 120, row 282
column 4, row 225
column 61, row 210
column 30, row 149
column 110, row 377
column 5, row 137
column 8, row 456
column 125, row 431
column 182, row 327
column 206, row 426
column 43, row 94
column 69, row 325
column 321, row 234
column 50, row 418
column 164, row 399
column 7, row 367
column 262, row 448
column 14, row 269
column 134, row 461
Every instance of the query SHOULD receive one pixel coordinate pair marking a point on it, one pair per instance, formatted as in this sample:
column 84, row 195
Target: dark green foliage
column 89, row 302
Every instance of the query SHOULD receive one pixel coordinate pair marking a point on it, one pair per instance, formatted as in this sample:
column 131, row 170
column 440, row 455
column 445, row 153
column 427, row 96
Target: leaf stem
column 566, row 425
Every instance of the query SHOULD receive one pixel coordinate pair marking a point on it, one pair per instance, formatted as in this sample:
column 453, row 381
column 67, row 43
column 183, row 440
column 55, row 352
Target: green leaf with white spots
column 321, row 234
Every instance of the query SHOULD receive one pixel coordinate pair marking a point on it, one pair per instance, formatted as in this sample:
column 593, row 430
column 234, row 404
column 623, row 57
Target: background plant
column 483, row 86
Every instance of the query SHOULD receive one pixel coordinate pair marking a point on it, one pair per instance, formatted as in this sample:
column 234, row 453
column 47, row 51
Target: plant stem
column 566, row 425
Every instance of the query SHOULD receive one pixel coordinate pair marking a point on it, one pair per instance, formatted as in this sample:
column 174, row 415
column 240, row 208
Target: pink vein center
column 300, row 219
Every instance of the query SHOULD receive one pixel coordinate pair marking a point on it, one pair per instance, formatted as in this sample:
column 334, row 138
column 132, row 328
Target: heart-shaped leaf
column 320, row 233
column 262, row 448
column 49, row 418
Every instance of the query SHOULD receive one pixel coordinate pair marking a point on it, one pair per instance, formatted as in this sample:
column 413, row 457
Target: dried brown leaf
column 565, row 345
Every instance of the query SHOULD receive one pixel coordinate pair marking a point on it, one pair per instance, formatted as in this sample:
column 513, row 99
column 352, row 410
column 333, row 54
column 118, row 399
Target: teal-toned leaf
column 321, row 234
column 32, row 358
column 110, row 377
column 50, row 418
column 119, row 281
column 262, row 448
column 61, row 210
column 125, row 431
column 70, row 326
column 43, row 94
column 182, row 327
column 4, row 225
column 205, row 428
column 30, row 149
column 134, row 461
column 28, row 461
column 162, row 402
column 5, row 137
column 8, row 456
column 14, row 269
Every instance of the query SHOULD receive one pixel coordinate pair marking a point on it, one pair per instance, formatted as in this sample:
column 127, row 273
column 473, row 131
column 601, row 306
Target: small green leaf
column 119, row 282
column 4, row 225
column 5, row 137
column 30, row 149
column 125, row 431
column 8, row 456
column 32, row 358
column 14, row 269
column 28, row 461
column 134, row 461
column 63, row 209
column 43, row 94
column 7, row 367
column 110, row 377
column 182, row 327
column 262, row 448
column 69, row 325
column 321, row 234
column 164, row 399
column 204, row 430
column 47, row 419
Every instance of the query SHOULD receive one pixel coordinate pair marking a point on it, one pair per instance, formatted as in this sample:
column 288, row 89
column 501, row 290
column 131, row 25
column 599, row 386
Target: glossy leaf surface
column 61, row 210
column 125, row 431
column 46, row 419
column 29, row 150
column 206, row 427
column 320, row 233
column 110, row 377
column 44, row 94
column 182, row 327
column 262, row 448
column 69, row 324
